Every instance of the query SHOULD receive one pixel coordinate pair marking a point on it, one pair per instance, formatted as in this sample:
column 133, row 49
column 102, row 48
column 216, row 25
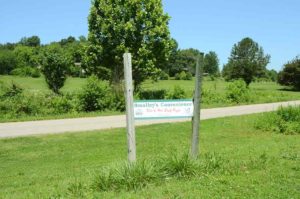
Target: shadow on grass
column 288, row 89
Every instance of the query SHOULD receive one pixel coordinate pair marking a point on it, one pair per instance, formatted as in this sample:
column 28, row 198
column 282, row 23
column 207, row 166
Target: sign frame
column 164, row 100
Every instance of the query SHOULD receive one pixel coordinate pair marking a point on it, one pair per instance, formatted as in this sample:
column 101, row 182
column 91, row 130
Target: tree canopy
column 211, row 63
column 247, row 61
column 136, row 26
column 290, row 75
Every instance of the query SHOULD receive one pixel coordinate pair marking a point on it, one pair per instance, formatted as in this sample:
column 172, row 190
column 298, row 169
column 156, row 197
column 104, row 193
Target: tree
column 185, row 60
column 33, row 41
column 68, row 40
column 290, row 75
column 26, row 56
column 247, row 61
column 136, row 26
column 7, row 61
column 211, row 63
column 272, row 75
column 55, row 67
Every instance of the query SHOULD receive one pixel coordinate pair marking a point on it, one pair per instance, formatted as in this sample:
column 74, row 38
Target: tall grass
column 141, row 174
column 285, row 120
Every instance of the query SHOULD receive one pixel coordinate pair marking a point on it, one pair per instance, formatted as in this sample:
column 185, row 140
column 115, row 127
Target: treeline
column 25, row 58
column 247, row 61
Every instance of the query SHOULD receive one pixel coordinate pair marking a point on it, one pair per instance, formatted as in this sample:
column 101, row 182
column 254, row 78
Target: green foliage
column 163, row 76
column 138, row 27
column 272, row 75
column 290, row 75
column 237, row 92
column 285, row 120
column 189, row 76
column 152, row 94
column 95, row 96
column 209, row 96
column 55, row 67
column 63, row 104
column 247, row 61
column 26, row 56
column 26, row 72
column 183, row 60
column 11, row 90
column 211, row 64
column 176, row 93
column 7, row 61
column 184, row 76
column 179, row 166
column 33, row 41
column 254, row 163
column 128, row 177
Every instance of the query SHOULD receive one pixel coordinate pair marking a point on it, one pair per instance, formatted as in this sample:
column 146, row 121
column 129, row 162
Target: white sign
column 155, row 109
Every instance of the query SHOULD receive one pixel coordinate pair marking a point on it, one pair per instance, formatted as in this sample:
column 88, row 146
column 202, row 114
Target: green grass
column 34, row 84
column 263, row 165
column 262, row 92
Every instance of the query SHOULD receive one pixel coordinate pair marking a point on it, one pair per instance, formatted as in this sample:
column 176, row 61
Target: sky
column 214, row 25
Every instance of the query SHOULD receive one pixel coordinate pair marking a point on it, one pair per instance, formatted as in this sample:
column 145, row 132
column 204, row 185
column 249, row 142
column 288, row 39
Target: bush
column 95, row 96
column 11, row 90
column 21, row 104
column 285, row 120
column 237, row 92
column 290, row 75
column 184, row 76
column 8, row 61
column 152, row 94
column 62, row 104
column 55, row 68
column 177, row 93
column 164, row 76
column 209, row 97
column 26, row 72
column 188, row 76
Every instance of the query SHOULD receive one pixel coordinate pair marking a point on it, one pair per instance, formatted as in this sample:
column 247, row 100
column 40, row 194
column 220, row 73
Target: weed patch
column 285, row 120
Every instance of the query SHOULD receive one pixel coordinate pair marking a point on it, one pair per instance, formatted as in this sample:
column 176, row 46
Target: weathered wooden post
column 197, row 107
column 129, row 108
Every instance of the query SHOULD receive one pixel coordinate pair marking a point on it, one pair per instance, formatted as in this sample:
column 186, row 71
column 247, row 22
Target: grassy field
column 264, row 91
column 214, row 94
column 259, row 164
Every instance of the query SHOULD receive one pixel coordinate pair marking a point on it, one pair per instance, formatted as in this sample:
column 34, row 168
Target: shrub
column 180, row 76
column 55, row 68
column 152, row 94
column 177, row 93
column 290, row 75
column 26, row 72
column 237, row 92
column 164, row 76
column 285, row 120
column 95, row 96
column 188, row 76
column 209, row 97
column 62, row 104
column 8, row 61
column 184, row 76
column 10, row 91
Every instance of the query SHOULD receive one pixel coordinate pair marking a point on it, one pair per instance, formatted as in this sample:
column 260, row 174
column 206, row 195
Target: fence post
column 197, row 107
column 129, row 108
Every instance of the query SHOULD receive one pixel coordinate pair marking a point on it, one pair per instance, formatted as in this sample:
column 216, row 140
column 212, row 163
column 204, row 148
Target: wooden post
column 197, row 107
column 129, row 108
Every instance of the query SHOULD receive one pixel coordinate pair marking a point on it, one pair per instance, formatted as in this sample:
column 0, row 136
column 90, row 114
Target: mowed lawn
column 259, row 164
column 262, row 92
